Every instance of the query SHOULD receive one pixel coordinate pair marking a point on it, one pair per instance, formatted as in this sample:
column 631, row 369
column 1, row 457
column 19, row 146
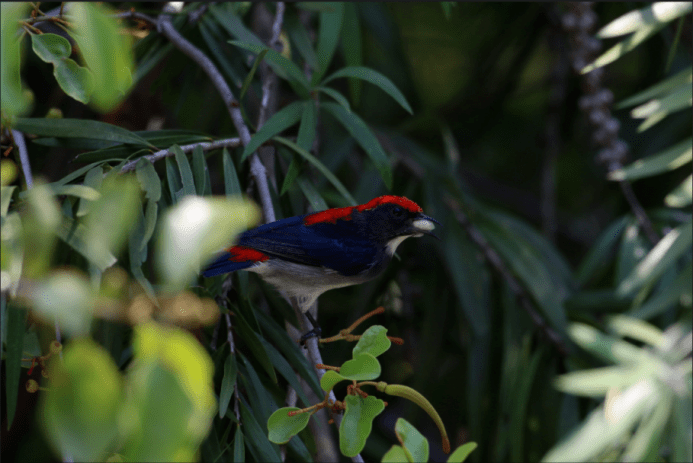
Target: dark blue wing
column 336, row 246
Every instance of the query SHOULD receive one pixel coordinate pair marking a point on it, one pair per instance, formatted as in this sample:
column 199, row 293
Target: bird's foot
column 315, row 332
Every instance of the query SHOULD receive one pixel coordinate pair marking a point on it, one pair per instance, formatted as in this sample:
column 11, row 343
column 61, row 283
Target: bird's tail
column 225, row 264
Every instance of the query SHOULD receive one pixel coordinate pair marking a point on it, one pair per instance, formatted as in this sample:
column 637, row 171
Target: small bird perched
column 306, row 255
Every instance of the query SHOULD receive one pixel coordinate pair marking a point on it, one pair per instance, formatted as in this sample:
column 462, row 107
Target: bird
column 306, row 255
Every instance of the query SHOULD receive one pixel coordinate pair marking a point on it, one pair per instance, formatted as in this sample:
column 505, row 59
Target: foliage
column 571, row 345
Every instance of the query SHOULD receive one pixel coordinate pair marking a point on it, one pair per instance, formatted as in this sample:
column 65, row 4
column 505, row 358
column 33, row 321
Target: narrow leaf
column 281, row 120
column 364, row 136
column 376, row 78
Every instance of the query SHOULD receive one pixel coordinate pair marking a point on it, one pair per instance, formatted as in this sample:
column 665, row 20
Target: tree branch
column 206, row 146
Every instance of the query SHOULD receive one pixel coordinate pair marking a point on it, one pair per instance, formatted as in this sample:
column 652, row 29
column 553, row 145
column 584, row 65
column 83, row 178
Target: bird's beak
column 424, row 225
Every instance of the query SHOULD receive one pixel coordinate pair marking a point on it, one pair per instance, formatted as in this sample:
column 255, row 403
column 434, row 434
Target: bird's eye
column 397, row 212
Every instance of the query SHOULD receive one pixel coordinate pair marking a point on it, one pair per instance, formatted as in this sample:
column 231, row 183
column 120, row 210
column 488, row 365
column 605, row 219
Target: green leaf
column 76, row 236
column 291, row 174
column 665, row 161
column 78, row 128
column 628, row 44
column 283, row 427
column 666, row 86
column 238, row 446
column 51, row 47
column 93, row 179
column 284, row 369
column 199, row 171
column 291, row 351
column 682, row 195
column 308, row 127
column 338, row 97
column 357, row 423
column 228, row 383
column 283, row 67
column 607, row 347
column 376, row 78
column 106, row 52
column 414, row 443
column 281, row 120
column 374, row 341
column 462, row 452
column 186, row 174
column 460, row 259
column 80, row 191
column 363, row 367
column 233, row 24
column 664, row 255
column 15, row 101
column 316, row 201
column 299, row 36
column 328, row 36
column 231, row 185
column 320, row 166
column 172, row 179
column 364, row 136
column 14, row 343
column 634, row 21
column 257, row 437
column 656, row 110
column 251, row 74
column 352, row 47
column 598, row 255
column 149, row 179
column 252, row 339
column 330, row 379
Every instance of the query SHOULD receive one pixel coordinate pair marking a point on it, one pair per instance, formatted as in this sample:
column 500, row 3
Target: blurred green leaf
column 634, row 21
column 666, row 86
column 171, row 398
column 76, row 81
column 673, row 293
column 107, row 53
column 316, row 201
column 238, row 445
column 364, row 136
column 377, row 79
column 662, row 256
column 667, row 160
column 15, row 101
column 657, row 109
column 81, row 407
column 77, row 237
column 66, row 297
column 13, row 341
column 195, row 229
column 682, row 195
column 598, row 254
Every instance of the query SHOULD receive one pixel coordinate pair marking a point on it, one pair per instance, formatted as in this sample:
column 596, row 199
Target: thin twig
column 135, row 15
column 206, row 146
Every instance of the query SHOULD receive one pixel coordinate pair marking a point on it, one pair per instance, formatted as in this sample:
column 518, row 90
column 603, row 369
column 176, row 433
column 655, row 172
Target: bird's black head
column 389, row 220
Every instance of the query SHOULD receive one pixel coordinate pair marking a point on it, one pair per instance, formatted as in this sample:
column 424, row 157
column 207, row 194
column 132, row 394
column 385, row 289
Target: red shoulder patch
column 408, row 204
column 244, row 254
column 329, row 216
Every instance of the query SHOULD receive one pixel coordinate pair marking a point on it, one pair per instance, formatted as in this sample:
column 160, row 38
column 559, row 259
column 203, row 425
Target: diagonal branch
column 161, row 154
